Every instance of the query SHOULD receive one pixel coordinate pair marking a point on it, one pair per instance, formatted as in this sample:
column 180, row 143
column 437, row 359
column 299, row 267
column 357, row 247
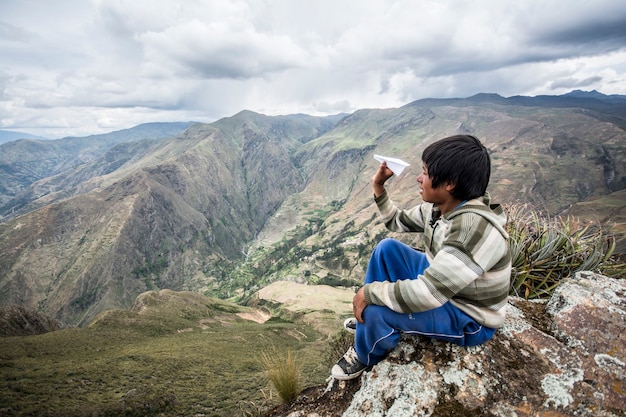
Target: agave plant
column 545, row 251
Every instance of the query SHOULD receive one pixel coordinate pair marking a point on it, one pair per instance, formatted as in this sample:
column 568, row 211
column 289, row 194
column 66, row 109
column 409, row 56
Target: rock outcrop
column 563, row 357
column 19, row 321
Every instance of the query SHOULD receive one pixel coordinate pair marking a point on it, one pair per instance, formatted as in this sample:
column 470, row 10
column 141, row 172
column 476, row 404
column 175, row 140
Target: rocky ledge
column 19, row 321
column 563, row 357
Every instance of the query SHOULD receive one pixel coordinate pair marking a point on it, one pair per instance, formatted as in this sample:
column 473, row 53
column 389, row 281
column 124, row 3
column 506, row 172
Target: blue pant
column 392, row 260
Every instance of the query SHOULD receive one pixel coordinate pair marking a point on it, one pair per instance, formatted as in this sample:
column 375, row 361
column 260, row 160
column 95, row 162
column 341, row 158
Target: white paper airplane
column 396, row 165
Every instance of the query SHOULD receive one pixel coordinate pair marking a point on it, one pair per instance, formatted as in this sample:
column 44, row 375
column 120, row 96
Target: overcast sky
column 79, row 67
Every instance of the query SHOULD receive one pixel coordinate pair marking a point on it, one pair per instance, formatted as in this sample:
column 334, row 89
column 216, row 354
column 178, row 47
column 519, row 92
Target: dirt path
column 258, row 315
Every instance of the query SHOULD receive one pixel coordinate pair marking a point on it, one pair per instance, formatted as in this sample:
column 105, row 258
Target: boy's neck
column 449, row 205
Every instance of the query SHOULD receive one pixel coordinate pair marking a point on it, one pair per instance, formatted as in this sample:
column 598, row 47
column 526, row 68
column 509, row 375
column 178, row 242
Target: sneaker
column 350, row 325
column 348, row 367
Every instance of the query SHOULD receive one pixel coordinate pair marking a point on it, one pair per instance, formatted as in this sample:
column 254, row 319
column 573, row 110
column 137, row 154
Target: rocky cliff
column 564, row 357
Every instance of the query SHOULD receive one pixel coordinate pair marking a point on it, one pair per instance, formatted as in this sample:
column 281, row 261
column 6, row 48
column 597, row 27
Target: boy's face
column 438, row 195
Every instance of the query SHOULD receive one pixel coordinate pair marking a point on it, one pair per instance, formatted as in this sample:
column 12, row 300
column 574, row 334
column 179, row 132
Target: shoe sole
column 347, row 377
column 347, row 328
column 344, row 377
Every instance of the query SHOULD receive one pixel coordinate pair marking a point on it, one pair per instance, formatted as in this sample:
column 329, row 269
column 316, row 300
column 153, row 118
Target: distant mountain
column 614, row 98
column 611, row 108
column 8, row 136
column 25, row 162
column 229, row 207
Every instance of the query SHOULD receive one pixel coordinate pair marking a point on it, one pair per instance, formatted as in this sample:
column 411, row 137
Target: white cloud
column 80, row 67
column 218, row 51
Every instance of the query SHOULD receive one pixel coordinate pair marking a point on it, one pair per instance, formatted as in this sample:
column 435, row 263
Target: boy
column 457, row 289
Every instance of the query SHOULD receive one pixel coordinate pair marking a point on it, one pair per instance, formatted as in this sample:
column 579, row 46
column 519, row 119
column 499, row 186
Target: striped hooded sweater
column 468, row 252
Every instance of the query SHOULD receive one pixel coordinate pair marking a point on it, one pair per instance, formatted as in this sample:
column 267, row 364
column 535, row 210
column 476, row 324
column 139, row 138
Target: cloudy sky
column 79, row 67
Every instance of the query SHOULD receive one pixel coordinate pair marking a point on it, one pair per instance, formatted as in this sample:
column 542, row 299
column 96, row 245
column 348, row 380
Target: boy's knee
column 387, row 244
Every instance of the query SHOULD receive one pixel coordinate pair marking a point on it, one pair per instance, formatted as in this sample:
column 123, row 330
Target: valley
column 227, row 208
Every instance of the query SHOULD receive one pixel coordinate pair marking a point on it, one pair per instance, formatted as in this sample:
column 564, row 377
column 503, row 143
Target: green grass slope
column 172, row 353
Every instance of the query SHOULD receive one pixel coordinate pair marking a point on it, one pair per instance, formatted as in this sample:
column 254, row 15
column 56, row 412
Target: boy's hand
column 380, row 177
column 359, row 304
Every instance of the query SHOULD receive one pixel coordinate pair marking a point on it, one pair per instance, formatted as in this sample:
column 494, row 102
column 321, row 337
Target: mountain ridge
column 24, row 162
column 11, row 135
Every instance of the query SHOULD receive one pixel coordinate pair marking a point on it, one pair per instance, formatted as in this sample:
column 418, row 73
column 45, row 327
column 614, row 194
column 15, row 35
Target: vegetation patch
column 547, row 250
column 124, row 364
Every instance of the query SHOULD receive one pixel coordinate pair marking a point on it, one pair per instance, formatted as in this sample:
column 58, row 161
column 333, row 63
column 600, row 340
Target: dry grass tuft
column 284, row 372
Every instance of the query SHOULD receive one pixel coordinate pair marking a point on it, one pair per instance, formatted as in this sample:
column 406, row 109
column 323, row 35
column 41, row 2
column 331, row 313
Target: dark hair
column 460, row 159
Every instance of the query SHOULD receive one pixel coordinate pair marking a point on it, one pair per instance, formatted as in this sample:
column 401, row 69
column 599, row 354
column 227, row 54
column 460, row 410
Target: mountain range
column 8, row 136
column 228, row 207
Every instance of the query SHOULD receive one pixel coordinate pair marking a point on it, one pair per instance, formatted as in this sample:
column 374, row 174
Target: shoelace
column 351, row 357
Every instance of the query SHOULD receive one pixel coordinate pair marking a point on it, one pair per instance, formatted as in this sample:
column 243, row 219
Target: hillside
column 226, row 208
column 171, row 353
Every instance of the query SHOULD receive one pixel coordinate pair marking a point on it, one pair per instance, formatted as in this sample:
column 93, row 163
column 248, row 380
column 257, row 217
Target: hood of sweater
column 482, row 206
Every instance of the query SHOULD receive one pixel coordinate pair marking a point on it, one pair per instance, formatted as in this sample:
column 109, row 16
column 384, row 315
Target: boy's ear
column 450, row 186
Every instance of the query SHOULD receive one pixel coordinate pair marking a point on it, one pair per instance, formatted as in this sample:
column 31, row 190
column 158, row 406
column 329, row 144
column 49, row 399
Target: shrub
column 283, row 372
column 545, row 251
